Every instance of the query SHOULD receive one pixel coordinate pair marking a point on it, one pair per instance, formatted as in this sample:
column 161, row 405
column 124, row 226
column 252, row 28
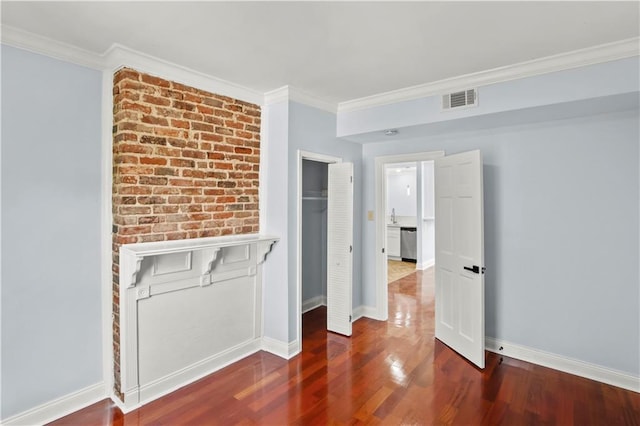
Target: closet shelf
column 315, row 198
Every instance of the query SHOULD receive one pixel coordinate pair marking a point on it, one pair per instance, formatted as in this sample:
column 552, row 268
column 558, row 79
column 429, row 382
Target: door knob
column 475, row 269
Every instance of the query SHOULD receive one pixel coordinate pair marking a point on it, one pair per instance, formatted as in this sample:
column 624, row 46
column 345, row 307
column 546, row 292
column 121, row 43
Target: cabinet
column 393, row 241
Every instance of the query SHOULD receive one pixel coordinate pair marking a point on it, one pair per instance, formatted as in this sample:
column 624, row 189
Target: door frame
column 322, row 158
column 382, row 290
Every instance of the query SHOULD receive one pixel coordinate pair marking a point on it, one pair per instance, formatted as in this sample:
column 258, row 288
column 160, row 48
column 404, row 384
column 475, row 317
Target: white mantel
column 187, row 308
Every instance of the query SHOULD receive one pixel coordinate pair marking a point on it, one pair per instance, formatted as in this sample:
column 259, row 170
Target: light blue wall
column 561, row 233
column 314, row 130
column 291, row 127
column 51, row 192
column 274, row 221
column 506, row 103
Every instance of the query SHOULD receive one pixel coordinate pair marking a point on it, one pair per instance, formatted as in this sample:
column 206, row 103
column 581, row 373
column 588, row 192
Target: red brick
column 182, row 199
column 183, row 124
column 153, row 140
column 181, row 182
column 165, row 171
column 134, row 190
column 172, row 133
column 151, row 200
column 155, row 81
column 190, row 208
column 157, row 121
column 125, row 73
column 181, row 162
column 148, row 219
column 156, row 100
column 134, row 230
column 133, row 148
column 193, row 154
column 134, row 106
column 213, row 102
column 120, row 137
column 125, row 159
column 202, row 126
column 134, row 210
column 164, row 190
column 164, row 227
column 176, row 235
column 211, row 137
column 153, row 180
column 192, row 98
column 159, row 161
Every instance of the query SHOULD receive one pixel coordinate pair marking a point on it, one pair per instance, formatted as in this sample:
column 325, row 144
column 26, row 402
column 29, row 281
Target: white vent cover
column 463, row 98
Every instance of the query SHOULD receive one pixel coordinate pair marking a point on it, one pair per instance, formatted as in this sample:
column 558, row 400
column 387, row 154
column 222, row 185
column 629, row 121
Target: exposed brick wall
column 185, row 165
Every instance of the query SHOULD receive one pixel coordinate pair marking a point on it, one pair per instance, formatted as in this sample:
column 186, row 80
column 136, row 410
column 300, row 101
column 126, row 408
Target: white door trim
column 106, row 239
column 303, row 155
column 382, row 294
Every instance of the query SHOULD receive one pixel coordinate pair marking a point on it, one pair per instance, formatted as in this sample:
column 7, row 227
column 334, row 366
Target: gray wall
column 51, row 308
column 561, row 233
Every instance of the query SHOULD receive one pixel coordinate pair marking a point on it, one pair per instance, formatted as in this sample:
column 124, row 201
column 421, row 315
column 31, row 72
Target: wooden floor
column 388, row 373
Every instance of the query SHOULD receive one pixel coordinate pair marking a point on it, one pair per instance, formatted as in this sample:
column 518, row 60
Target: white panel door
column 460, row 254
column 339, row 247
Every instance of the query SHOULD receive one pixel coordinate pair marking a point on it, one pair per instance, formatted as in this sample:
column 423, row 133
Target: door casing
column 382, row 291
column 303, row 155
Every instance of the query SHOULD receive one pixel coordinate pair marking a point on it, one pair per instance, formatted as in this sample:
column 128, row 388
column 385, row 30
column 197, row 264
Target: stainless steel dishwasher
column 408, row 244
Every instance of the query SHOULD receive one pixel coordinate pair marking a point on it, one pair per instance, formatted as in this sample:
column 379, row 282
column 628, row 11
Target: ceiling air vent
column 464, row 98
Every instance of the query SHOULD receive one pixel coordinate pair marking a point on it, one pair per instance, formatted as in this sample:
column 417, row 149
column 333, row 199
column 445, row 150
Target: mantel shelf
column 132, row 255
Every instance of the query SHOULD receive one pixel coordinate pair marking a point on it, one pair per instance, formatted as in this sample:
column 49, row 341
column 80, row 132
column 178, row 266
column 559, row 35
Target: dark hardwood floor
column 388, row 373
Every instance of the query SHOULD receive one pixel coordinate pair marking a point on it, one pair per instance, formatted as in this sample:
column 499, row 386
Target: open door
column 459, row 242
column 339, row 247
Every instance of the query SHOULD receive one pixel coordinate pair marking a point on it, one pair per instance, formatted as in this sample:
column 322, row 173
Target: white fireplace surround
column 187, row 308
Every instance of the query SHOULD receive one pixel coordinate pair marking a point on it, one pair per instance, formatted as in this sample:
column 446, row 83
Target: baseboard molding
column 426, row 265
column 181, row 378
column 314, row 302
column 363, row 311
column 279, row 348
column 564, row 364
column 59, row 407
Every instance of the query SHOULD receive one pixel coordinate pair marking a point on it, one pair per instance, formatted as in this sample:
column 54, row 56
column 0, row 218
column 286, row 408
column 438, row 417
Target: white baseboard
column 59, row 407
column 279, row 348
column 312, row 303
column 363, row 311
column 565, row 364
column 426, row 265
column 174, row 381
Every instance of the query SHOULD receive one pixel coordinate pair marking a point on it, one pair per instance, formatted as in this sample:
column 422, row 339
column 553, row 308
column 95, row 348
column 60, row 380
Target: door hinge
column 382, row 250
column 351, row 179
column 349, row 318
column 350, row 249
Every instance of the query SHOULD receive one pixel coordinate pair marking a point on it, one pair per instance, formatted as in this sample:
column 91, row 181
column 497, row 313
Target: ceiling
column 334, row 51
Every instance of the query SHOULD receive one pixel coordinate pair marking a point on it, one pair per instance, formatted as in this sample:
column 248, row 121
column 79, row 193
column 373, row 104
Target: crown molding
column 118, row 56
column 275, row 96
column 589, row 56
column 16, row 37
column 289, row 93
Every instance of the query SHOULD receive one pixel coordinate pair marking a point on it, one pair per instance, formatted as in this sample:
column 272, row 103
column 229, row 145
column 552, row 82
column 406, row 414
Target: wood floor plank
column 387, row 373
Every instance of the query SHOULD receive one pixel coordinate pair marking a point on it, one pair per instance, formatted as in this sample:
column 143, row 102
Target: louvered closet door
column 339, row 247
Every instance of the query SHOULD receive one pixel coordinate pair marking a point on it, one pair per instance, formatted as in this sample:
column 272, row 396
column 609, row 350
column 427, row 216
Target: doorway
column 382, row 221
column 312, row 218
